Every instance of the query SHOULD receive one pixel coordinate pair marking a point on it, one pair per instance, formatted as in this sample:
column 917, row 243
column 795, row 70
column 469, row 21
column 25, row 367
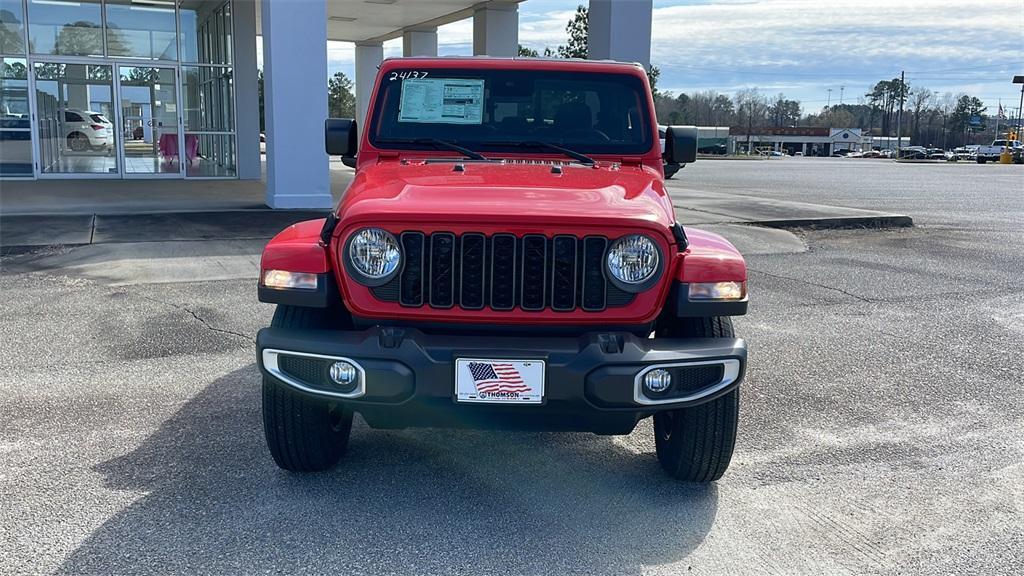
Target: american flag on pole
column 494, row 377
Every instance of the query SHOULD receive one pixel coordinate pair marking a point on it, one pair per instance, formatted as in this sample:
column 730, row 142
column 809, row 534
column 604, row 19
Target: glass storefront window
column 12, row 27
column 74, row 107
column 141, row 30
column 214, row 155
column 15, row 126
column 205, row 32
column 65, row 27
column 173, row 59
column 208, row 96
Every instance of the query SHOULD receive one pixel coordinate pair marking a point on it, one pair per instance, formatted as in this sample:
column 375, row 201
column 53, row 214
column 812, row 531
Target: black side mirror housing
column 341, row 137
column 681, row 144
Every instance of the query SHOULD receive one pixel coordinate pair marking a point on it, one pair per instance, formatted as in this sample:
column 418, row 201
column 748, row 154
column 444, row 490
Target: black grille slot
column 313, row 371
column 411, row 292
column 535, row 257
column 442, row 270
column 474, row 271
column 563, row 273
column 471, row 289
column 503, row 271
column 594, row 284
column 693, row 378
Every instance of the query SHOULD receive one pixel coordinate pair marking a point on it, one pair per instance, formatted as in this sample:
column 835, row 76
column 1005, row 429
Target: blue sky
column 800, row 47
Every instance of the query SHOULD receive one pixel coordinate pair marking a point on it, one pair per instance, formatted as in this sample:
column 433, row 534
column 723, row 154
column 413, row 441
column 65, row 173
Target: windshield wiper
column 437, row 143
column 451, row 146
column 582, row 158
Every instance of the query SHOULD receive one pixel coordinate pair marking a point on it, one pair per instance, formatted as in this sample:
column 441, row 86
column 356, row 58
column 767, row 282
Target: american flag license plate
column 499, row 381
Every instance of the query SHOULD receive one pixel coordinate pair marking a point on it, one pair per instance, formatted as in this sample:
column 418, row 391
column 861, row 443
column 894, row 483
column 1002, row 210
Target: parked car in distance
column 713, row 149
column 966, row 152
column 991, row 153
column 913, row 153
column 521, row 270
column 87, row 130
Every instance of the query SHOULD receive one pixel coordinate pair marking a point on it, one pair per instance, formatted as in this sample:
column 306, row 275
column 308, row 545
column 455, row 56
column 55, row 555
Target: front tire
column 304, row 433
column 696, row 444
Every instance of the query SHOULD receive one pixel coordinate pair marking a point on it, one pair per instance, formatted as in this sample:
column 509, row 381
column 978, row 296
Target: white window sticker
column 442, row 101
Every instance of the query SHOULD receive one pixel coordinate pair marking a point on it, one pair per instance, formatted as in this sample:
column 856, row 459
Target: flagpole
column 998, row 116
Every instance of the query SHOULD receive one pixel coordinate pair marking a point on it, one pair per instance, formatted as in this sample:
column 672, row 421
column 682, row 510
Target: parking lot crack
column 809, row 283
column 201, row 320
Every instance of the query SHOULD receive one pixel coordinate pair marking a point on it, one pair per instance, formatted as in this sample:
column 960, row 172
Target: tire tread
column 298, row 427
column 702, row 437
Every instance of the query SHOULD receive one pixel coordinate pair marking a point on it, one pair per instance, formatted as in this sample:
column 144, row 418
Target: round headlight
column 374, row 254
column 633, row 261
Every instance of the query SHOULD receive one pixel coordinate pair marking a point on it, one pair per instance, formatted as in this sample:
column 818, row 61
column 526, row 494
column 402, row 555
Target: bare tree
column 919, row 100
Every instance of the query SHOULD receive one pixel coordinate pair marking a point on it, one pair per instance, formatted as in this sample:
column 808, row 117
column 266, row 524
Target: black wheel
column 304, row 433
column 78, row 142
column 695, row 444
column 981, row 160
column 671, row 169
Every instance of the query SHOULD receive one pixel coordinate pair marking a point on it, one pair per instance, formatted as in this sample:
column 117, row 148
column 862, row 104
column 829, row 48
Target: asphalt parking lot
column 882, row 428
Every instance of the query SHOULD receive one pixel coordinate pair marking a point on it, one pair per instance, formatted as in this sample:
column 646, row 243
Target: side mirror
column 681, row 144
column 340, row 137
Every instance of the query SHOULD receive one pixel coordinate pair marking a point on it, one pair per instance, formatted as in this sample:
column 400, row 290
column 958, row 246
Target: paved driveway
column 881, row 426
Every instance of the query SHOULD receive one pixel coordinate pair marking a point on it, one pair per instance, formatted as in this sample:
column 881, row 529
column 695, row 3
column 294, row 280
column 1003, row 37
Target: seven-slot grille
column 502, row 271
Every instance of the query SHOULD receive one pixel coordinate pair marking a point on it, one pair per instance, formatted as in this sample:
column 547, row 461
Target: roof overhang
column 380, row 20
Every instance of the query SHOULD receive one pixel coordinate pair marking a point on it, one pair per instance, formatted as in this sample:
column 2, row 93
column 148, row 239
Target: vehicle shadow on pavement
column 415, row 501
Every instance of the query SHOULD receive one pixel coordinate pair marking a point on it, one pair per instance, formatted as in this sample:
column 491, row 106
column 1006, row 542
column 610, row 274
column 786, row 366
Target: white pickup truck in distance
column 986, row 153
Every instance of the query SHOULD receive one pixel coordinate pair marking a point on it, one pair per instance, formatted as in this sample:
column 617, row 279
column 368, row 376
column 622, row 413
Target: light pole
column 1019, row 79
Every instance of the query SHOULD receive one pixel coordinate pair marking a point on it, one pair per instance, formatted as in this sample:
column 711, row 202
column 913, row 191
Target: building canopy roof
column 378, row 20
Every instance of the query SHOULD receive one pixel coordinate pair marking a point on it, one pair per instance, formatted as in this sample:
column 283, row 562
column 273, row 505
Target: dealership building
column 812, row 140
column 144, row 89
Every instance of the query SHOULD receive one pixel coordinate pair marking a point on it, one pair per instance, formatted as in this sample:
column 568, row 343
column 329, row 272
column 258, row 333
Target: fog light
column 343, row 373
column 657, row 380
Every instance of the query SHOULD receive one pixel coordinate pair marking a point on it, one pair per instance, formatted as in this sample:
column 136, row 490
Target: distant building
column 810, row 140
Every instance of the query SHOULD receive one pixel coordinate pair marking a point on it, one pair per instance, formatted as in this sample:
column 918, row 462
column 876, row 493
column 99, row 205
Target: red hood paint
column 522, row 194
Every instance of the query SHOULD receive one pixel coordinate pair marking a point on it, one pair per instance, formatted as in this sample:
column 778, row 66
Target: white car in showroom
column 88, row 130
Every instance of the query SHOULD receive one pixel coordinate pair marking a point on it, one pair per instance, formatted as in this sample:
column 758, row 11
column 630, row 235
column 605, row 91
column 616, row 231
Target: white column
column 620, row 31
column 369, row 55
column 295, row 103
column 496, row 29
column 419, row 42
column 247, row 99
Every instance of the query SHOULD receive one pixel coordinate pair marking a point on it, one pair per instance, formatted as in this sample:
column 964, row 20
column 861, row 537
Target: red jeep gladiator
column 506, row 256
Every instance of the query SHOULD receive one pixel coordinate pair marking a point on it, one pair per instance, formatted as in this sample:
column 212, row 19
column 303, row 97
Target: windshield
column 492, row 111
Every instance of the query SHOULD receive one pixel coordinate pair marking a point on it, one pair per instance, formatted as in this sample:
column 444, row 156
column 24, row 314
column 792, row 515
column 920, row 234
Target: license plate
column 499, row 381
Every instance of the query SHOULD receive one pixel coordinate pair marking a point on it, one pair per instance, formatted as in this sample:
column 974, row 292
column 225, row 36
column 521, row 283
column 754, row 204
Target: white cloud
column 800, row 47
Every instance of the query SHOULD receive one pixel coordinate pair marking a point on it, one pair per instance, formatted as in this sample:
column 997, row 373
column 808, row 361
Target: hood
column 493, row 193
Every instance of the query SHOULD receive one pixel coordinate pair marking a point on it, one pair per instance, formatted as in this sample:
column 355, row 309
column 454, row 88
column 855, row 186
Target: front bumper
column 592, row 382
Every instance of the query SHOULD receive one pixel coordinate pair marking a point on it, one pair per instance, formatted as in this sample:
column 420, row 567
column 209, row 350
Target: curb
column 840, row 223
column 42, row 231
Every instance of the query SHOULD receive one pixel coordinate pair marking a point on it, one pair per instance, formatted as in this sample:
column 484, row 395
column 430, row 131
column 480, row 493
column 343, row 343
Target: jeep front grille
column 503, row 271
